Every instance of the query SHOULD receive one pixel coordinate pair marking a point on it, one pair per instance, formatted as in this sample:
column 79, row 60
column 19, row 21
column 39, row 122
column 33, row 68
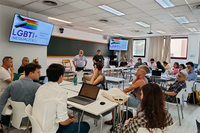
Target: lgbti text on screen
column 29, row 30
column 118, row 45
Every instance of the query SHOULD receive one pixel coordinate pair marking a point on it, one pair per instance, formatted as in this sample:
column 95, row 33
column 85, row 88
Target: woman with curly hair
column 151, row 113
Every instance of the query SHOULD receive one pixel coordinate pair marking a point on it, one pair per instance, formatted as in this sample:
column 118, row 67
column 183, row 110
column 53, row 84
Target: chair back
column 18, row 109
column 180, row 95
column 189, row 85
column 67, row 64
column 35, row 126
column 66, row 61
column 7, row 110
column 156, row 130
column 79, row 76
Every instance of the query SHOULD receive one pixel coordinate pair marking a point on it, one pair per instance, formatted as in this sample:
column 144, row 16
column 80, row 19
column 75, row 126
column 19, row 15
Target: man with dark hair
column 24, row 89
column 192, row 76
column 152, row 63
column 98, row 57
column 123, row 63
column 6, row 76
column 138, row 63
column 25, row 60
column 50, row 105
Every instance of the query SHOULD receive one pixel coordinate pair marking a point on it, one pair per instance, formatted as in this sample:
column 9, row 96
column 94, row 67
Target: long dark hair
column 177, row 64
column 153, row 106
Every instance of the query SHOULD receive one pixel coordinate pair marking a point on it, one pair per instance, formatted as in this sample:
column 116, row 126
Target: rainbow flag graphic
column 116, row 42
column 26, row 23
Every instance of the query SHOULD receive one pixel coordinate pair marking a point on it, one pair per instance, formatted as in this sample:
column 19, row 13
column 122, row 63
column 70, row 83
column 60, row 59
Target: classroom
column 108, row 66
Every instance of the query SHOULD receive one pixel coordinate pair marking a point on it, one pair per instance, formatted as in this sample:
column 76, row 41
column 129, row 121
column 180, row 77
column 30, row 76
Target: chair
column 189, row 89
column 35, row 126
column 179, row 97
column 18, row 114
column 156, row 130
column 67, row 64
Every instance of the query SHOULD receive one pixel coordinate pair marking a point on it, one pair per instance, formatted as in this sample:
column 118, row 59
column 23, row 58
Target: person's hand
column 74, row 120
column 169, row 84
column 128, row 121
column 11, row 69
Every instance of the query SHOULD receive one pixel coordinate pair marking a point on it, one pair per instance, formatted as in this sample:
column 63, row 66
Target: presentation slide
column 118, row 45
column 29, row 30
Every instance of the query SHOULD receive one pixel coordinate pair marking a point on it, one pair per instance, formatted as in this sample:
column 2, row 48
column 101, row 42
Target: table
column 94, row 110
column 114, row 80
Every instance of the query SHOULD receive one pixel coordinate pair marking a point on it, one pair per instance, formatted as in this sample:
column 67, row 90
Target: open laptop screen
column 89, row 91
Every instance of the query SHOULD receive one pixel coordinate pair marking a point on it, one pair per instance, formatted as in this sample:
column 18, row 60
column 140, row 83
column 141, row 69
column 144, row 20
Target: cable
column 80, row 121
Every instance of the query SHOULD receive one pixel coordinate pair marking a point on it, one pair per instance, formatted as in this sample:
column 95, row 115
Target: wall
column 76, row 35
column 19, row 50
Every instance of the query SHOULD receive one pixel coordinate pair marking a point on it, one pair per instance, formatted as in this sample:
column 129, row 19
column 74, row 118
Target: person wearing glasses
column 192, row 76
column 176, row 87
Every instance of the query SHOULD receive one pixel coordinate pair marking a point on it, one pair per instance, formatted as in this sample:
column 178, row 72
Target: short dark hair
column 183, row 66
column 164, row 62
column 190, row 63
column 152, row 59
column 99, row 65
column 177, row 64
column 158, row 63
column 6, row 58
column 30, row 67
column 54, row 72
column 139, row 59
column 98, row 50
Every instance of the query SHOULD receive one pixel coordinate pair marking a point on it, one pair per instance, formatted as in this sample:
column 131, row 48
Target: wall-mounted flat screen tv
column 116, row 44
column 31, row 31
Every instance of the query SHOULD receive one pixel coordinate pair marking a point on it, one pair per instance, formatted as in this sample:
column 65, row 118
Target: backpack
column 196, row 97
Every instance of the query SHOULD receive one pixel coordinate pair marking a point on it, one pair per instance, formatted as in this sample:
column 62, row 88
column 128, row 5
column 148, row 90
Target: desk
column 114, row 80
column 94, row 110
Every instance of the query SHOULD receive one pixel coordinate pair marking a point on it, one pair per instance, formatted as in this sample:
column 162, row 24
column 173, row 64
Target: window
column 179, row 48
column 139, row 47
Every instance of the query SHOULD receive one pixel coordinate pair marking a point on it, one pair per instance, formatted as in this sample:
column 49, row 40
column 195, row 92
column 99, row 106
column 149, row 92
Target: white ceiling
column 85, row 13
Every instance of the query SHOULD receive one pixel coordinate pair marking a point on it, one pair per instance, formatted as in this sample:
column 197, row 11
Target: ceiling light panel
column 182, row 20
column 60, row 20
column 142, row 24
column 165, row 3
column 92, row 28
column 111, row 10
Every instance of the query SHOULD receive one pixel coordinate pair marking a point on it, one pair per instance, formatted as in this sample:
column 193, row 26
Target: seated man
column 25, row 60
column 50, row 105
column 98, row 76
column 6, row 76
column 152, row 63
column 176, row 87
column 138, row 63
column 123, row 63
column 131, row 63
column 192, row 76
column 138, row 82
column 22, row 90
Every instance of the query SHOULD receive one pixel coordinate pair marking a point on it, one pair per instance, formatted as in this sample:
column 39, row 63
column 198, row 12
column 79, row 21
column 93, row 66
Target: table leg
column 126, row 110
column 114, row 118
column 123, row 84
column 101, row 127
column 106, row 84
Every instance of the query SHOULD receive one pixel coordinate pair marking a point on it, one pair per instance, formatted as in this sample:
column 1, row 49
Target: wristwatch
column 72, row 120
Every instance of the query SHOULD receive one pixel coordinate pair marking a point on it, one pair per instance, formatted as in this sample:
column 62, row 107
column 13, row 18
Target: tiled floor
column 188, row 123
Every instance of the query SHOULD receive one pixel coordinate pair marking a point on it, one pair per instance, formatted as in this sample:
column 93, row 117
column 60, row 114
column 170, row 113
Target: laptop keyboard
column 80, row 99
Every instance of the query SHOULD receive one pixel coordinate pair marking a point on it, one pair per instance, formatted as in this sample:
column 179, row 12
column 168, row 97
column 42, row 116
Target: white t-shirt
column 50, row 106
column 4, row 75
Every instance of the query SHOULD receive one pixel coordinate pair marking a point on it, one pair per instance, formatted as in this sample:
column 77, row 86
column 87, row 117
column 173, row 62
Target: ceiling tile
column 178, row 9
column 178, row 2
column 147, row 7
column 52, row 12
column 67, row 1
column 22, row 2
column 132, row 10
column 120, row 5
column 106, row 14
column 107, row 1
column 81, row 4
column 94, row 10
column 156, row 12
column 67, row 16
column 68, row 8
column 140, row 2
column 82, row 13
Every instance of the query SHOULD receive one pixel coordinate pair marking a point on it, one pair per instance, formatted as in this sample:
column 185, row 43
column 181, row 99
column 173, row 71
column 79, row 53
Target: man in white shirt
column 80, row 60
column 6, row 76
column 50, row 105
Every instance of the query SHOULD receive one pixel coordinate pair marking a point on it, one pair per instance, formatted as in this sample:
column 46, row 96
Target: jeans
column 73, row 128
column 133, row 101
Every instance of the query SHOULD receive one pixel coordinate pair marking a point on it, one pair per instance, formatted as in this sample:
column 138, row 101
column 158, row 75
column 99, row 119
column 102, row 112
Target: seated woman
column 19, row 76
column 151, row 114
column 123, row 63
column 175, row 69
column 166, row 65
column 98, row 77
column 160, row 66
column 176, row 87
column 131, row 63
column 182, row 67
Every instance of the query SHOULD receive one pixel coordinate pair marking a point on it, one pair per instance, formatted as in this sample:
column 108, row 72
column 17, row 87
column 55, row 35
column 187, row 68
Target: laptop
column 87, row 94
column 156, row 73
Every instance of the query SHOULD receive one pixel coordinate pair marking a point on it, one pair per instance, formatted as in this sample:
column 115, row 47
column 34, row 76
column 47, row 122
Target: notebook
column 87, row 94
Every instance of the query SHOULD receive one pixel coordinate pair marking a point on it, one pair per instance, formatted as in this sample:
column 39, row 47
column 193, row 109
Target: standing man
column 6, row 76
column 25, row 60
column 81, row 61
column 192, row 76
column 98, row 57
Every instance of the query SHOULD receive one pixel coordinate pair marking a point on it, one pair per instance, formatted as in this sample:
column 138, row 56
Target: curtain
column 166, row 50
column 156, row 48
column 129, row 53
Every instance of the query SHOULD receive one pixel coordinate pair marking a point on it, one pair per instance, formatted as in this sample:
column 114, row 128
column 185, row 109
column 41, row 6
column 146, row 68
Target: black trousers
column 79, row 68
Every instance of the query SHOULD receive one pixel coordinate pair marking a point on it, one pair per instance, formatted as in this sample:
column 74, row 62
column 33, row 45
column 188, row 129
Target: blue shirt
column 22, row 90
column 80, row 61
column 192, row 76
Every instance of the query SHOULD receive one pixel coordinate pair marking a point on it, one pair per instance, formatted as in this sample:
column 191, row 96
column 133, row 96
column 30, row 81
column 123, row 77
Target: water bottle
column 75, row 79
